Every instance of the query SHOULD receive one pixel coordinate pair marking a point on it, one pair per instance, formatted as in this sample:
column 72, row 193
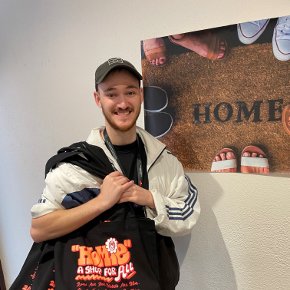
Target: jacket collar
column 153, row 147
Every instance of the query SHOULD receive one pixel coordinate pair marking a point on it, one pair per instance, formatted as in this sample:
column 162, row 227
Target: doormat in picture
column 220, row 98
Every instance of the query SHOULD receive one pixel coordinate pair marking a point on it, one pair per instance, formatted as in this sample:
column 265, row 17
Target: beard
column 117, row 125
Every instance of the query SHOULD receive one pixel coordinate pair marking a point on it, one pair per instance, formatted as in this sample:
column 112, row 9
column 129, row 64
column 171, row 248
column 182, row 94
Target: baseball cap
column 104, row 69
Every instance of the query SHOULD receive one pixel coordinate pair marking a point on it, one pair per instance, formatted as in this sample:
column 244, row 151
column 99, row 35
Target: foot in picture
column 205, row 43
column 155, row 51
column 155, row 98
column 281, row 39
column 286, row 119
column 224, row 161
column 249, row 32
column 158, row 123
column 254, row 160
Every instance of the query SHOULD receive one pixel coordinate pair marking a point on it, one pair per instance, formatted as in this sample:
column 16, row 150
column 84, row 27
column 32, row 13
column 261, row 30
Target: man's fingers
column 116, row 177
column 126, row 198
column 115, row 173
column 127, row 185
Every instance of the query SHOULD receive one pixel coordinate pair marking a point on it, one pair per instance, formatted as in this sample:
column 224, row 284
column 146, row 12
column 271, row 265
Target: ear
column 97, row 99
column 142, row 95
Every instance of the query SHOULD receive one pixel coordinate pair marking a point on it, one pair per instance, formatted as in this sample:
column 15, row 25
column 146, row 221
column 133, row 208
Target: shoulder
column 95, row 138
column 67, row 173
column 148, row 138
column 156, row 150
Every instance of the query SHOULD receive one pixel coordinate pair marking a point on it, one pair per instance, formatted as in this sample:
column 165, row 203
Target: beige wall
column 48, row 53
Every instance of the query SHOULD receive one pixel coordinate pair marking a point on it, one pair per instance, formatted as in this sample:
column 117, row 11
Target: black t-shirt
column 127, row 155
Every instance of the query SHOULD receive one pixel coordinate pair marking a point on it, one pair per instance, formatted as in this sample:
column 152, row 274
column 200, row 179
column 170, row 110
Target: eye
column 111, row 95
column 131, row 93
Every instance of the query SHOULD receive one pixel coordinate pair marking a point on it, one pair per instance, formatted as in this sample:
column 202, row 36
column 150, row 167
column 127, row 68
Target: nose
column 123, row 102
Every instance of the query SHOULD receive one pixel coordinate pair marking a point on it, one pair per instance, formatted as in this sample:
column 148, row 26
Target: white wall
column 48, row 53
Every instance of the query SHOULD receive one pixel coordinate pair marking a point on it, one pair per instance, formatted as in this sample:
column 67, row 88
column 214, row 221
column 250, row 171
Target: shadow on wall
column 204, row 260
column 2, row 281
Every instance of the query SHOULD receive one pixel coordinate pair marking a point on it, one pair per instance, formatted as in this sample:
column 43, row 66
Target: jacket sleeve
column 66, row 186
column 176, row 201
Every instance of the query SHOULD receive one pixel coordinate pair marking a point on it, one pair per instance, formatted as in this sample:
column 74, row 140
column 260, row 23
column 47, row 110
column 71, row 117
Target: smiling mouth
column 123, row 112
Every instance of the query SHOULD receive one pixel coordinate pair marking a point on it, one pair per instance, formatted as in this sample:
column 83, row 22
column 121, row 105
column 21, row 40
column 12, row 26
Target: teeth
column 123, row 113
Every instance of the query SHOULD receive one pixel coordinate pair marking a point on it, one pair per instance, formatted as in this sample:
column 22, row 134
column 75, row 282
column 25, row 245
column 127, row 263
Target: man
column 170, row 200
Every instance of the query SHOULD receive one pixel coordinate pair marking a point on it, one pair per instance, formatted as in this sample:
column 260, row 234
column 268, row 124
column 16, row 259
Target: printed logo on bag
column 105, row 264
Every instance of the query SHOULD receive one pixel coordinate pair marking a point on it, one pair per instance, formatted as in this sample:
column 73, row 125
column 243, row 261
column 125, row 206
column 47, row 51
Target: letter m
column 245, row 113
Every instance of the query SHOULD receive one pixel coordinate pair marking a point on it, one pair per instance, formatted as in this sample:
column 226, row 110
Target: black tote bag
column 113, row 255
column 107, row 254
column 118, row 250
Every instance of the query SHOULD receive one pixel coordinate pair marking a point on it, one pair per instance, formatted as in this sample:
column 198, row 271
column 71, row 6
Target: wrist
column 151, row 203
column 99, row 205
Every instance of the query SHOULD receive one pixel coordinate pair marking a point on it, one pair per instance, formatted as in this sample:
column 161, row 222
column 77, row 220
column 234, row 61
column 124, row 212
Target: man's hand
column 138, row 195
column 112, row 188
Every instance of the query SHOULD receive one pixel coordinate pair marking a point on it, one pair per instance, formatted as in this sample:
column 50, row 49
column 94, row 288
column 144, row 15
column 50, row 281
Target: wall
column 49, row 51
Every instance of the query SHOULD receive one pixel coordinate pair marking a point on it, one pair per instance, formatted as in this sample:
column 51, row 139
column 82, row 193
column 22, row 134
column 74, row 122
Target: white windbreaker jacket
column 175, row 197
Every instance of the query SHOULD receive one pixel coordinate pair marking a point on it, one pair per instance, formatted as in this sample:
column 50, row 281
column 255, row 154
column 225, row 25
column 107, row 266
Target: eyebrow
column 113, row 89
column 132, row 87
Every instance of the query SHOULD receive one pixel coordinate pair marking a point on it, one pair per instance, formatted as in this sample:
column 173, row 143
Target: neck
column 122, row 138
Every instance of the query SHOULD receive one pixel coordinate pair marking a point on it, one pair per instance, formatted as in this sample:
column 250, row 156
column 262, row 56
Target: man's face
column 120, row 97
